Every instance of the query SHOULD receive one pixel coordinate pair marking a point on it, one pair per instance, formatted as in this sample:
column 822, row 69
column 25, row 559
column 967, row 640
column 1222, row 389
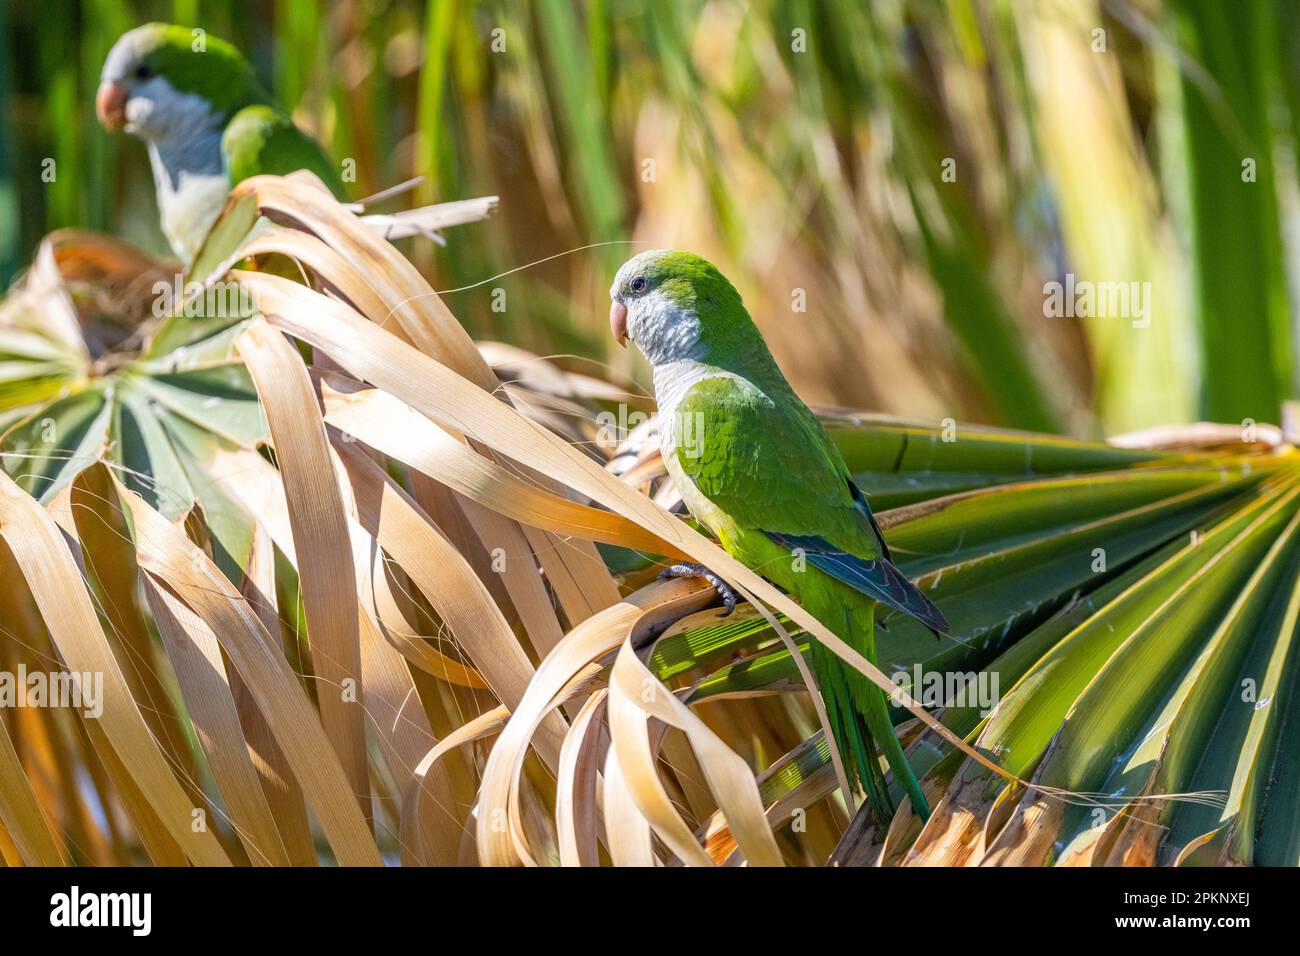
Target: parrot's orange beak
column 618, row 322
column 110, row 105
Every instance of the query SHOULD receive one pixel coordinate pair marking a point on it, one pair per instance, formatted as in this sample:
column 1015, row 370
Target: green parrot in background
column 209, row 124
column 756, row 468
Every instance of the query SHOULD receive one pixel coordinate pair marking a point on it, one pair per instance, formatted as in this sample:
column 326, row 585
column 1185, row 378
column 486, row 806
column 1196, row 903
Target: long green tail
column 859, row 718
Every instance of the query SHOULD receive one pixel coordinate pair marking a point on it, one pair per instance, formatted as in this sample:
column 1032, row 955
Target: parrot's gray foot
column 688, row 569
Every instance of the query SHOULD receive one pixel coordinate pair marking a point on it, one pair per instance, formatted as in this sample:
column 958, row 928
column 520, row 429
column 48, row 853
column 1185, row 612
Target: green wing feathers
column 768, row 464
column 766, row 461
column 261, row 140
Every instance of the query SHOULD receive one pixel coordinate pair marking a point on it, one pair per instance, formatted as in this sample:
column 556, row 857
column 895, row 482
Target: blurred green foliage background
column 890, row 183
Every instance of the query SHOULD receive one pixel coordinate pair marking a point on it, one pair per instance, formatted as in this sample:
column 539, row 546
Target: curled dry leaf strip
column 628, row 832
column 577, row 812
column 383, row 606
column 728, row 776
column 443, row 838
column 629, row 730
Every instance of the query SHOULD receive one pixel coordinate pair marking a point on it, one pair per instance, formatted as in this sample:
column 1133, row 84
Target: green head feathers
column 159, row 61
column 675, row 305
column 681, row 276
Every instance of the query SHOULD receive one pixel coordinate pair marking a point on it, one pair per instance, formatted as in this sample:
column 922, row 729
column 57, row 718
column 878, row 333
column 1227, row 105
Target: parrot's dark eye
column 638, row 285
column 143, row 72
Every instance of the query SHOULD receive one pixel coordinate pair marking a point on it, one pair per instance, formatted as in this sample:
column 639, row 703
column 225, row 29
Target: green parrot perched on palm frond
column 209, row 124
column 756, row 468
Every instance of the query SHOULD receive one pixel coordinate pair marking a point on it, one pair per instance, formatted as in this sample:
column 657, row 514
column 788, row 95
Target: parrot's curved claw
column 688, row 569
